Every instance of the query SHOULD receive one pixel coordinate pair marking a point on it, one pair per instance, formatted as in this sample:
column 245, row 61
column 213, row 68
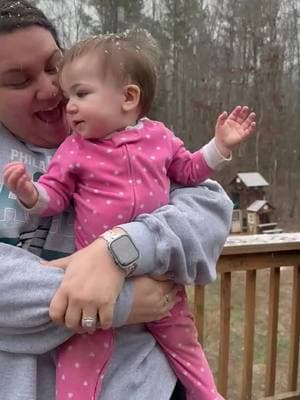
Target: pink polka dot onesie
column 112, row 181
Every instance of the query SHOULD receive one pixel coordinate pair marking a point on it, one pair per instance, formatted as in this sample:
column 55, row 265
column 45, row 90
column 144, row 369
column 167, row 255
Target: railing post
column 272, row 331
column 249, row 335
column 295, row 332
column 225, row 305
column 199, row 300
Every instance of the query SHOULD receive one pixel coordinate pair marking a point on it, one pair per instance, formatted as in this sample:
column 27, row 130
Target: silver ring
column 89, row 322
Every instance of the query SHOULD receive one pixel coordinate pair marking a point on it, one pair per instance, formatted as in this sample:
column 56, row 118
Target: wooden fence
column 251, row 253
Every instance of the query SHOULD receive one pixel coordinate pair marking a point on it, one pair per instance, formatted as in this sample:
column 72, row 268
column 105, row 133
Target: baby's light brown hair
column 130, row 57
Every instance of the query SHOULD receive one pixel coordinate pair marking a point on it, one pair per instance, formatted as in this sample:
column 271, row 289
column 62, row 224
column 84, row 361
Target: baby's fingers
column 221, row 119
column 249, row 124
column 9, row 168
column 21, row 183
column 12, row 175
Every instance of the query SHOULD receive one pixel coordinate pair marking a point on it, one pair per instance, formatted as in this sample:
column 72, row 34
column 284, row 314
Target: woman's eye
column 18, row 84
column 15, row 80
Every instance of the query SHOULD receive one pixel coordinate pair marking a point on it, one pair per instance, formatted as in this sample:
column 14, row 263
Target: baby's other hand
column 19, row 182
column 233, row 129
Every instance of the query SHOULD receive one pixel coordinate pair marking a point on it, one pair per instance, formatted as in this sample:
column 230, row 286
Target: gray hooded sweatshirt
column 184, row 239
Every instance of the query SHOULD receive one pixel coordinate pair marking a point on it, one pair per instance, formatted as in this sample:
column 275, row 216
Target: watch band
column 110, row 235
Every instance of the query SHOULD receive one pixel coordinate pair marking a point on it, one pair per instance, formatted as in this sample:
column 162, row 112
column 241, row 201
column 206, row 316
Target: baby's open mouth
column 76, row 124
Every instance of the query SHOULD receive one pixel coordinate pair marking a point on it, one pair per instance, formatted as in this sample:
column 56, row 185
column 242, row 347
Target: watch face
column 124, row 251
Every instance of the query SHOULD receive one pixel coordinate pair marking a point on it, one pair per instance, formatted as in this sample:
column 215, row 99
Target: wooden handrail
column 284, row 396
column 251, row 253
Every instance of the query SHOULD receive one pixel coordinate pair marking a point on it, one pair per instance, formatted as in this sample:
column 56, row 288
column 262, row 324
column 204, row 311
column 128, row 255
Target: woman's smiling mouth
column 50, row 115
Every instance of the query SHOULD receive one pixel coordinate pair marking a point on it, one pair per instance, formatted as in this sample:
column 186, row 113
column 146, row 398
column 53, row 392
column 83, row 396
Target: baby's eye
column 82, row 93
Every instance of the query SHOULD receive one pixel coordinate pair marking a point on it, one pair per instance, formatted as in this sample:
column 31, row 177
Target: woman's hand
column 152, row 300
column 90, row 287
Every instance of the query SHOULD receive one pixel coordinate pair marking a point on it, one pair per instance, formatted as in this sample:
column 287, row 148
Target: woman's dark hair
column 18, row 14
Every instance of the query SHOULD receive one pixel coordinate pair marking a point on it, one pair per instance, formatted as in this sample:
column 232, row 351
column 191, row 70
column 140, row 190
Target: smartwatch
column 122, row 249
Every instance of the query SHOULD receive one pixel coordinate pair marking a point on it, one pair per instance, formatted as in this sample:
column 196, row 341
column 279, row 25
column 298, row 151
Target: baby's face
column 94, row 107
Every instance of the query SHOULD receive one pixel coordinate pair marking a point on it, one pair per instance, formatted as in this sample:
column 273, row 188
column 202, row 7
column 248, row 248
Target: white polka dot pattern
column 114, row 181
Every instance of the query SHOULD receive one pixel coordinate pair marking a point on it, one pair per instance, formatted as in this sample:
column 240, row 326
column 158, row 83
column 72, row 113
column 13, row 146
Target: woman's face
column 31, row 104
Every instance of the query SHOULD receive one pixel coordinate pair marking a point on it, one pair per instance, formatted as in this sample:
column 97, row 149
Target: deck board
column 264, row 243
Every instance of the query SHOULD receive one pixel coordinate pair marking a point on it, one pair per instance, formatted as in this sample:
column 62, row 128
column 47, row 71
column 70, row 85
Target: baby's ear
column 132, row 94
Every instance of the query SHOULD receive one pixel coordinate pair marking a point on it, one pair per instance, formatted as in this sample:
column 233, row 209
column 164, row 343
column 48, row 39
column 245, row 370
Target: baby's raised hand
column 233, row 129
column 19, row 182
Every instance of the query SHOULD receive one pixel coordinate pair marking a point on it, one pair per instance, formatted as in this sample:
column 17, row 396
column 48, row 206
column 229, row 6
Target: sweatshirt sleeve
column 184, row 239
column 27, row 288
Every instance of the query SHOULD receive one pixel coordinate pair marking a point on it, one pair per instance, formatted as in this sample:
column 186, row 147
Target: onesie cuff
column 42, row 203
column 214, row 159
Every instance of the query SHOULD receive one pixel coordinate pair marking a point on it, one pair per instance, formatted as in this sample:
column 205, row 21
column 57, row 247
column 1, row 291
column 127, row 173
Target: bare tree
column 71, row 17
column 216, row 54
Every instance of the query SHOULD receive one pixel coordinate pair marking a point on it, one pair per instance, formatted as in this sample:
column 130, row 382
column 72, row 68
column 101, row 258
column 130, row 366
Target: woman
column 175, row 240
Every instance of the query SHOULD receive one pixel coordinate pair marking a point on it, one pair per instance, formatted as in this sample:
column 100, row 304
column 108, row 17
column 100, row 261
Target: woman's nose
column 47, row 88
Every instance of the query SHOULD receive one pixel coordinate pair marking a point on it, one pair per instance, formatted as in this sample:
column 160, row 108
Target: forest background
column 216, row 54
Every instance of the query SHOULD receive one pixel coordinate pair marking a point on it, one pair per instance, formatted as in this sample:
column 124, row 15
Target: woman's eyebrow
column 13, row 70
column 20, row 67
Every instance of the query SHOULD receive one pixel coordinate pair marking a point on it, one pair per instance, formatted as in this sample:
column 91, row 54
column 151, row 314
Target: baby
column 115, row 165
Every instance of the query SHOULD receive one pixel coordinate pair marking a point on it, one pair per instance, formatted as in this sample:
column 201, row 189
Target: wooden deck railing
column 250, row 254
